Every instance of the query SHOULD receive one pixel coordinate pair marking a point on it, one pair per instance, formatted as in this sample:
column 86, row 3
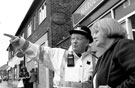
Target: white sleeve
column 49, row 57
column 52, row 57
column 32, row 51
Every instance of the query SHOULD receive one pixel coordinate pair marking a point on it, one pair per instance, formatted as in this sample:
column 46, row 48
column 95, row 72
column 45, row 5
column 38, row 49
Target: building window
column 29, row 29
column 107, row 14
column 132, row 20
column 123, row 24
column 119, row 11
column 23, row 35
column 34, row 23
column 42, row 12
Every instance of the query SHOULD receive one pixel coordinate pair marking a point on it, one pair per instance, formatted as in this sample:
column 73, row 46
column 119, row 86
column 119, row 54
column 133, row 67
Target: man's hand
column 18, row 43
column 14, row 40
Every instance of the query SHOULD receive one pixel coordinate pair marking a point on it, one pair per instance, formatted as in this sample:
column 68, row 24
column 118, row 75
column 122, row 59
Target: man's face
column 79, row 43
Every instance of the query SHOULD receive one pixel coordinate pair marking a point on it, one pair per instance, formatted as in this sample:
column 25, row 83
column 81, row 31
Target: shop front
column 14, row 67
column 92, row 10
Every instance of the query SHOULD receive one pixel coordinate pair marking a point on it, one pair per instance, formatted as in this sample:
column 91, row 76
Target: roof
column 4, row 67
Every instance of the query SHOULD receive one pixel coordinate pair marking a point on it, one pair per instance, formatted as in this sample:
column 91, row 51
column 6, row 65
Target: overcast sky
column 12, row 13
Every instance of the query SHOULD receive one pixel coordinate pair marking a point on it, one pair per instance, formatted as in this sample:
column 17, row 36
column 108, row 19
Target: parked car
column 5, row 78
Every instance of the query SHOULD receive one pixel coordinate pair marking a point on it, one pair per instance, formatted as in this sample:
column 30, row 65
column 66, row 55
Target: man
column 73, row 67
column 33, row 77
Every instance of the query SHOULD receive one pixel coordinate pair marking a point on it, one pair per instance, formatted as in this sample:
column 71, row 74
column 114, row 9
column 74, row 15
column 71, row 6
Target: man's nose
column 74, row 40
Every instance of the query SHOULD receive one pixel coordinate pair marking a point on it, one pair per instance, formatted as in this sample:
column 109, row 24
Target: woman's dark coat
column 116, row 67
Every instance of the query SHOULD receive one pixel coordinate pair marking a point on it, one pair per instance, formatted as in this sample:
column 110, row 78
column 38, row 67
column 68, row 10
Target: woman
column 116, row 66
column 24, row 74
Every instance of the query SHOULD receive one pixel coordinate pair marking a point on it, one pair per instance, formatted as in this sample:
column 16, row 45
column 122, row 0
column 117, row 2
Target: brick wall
column 61, row 23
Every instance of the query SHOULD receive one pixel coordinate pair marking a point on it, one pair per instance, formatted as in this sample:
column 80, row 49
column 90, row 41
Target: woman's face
column 99, row 37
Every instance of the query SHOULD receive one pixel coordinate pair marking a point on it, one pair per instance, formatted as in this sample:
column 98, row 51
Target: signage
column 87, row 7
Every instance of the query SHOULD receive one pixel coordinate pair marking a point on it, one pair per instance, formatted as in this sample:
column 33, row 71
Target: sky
column 12, row 13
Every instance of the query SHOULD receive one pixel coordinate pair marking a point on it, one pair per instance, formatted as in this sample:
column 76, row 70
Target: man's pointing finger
column 11, row 36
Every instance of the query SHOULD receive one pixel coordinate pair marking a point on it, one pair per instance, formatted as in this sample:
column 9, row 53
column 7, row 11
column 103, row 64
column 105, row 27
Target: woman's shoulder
column 126, row 42
column 122, row 45
column 125, row 45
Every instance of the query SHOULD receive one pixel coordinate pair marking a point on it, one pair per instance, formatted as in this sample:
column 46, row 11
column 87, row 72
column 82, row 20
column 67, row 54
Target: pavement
column 12, row 84
column 6, row 84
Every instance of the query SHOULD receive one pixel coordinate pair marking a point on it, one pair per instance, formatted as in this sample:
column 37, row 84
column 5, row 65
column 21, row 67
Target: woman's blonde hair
column 111, row 28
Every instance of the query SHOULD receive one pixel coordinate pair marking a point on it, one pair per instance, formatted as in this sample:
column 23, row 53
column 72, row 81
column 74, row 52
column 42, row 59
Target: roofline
column 30, row 12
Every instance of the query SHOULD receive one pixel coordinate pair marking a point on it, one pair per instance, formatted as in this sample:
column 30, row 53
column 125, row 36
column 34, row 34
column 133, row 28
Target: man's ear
column 88, row 42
